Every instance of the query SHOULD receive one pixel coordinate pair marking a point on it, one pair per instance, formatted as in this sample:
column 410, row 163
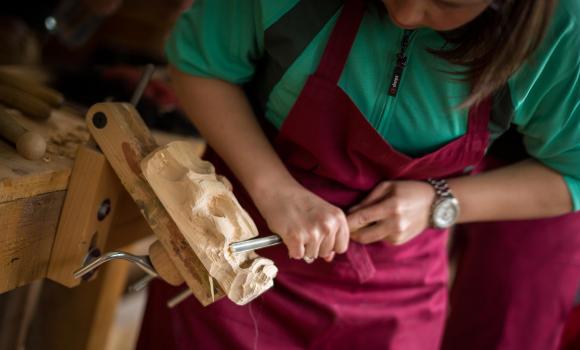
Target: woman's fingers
column 386, row 230
column 342, row 236
column 366, row 216
column 312, row 245
column 326, row 235
column 295, row 245
column 379, row 192
column 370, row 234
column 327, row 245
column 330, row 257
column 309, row 226
column 394, row 231
column 380, row 221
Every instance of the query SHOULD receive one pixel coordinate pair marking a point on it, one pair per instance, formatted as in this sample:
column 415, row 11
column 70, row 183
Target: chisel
column 255, row 243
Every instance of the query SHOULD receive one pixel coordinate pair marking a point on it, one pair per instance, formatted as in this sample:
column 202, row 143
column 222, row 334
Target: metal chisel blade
column 255, row 243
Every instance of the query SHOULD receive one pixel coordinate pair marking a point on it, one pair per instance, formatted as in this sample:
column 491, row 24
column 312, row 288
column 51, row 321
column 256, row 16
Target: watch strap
column 441, row 186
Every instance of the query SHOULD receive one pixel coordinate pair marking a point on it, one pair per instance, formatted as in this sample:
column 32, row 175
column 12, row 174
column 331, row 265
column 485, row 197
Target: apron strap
column 479, row 116
column 284, row 42
column 341, row 40
column 360, row 261
column 502, row 112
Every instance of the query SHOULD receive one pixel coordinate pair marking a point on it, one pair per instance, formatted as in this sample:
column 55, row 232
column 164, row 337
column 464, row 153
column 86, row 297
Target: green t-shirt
column 225, row 39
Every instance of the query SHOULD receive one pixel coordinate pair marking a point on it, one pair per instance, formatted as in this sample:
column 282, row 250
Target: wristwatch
column 445, row 208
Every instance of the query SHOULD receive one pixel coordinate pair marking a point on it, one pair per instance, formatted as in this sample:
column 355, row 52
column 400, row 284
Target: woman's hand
column 395, row 211
column 309, row 226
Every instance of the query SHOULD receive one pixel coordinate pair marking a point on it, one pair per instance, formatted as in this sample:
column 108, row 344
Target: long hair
column 496, row 44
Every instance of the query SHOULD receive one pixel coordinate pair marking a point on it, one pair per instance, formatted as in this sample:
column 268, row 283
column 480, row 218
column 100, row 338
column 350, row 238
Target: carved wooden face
column 210, row 218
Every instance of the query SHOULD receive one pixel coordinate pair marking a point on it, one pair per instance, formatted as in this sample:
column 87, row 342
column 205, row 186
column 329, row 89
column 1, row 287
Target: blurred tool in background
column 94, row 50
column 73, row 22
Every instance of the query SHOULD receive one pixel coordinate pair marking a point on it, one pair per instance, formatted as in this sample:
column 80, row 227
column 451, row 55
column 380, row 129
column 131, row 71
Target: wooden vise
column 190, row 209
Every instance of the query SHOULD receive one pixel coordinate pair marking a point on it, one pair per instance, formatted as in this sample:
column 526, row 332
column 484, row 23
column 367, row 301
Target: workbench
column 32, row 194
column 31, row 197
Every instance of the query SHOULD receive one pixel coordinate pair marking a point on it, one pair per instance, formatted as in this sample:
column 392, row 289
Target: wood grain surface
column 26, row 236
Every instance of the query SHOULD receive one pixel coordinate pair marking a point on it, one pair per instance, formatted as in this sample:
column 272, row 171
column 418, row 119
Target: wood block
column 125, row 140
column 90, row 205
column 28, row 226
column 210, row 218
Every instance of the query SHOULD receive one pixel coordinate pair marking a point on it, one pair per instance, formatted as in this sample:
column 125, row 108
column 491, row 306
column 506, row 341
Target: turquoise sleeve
column 218, row 39
column 574, row 187
column 546, row 95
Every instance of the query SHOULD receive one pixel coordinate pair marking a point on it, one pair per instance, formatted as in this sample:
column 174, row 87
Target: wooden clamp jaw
column 125, row 140
column 90, row 204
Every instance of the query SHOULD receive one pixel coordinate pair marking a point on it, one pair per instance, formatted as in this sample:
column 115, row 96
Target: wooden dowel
column 29, row 144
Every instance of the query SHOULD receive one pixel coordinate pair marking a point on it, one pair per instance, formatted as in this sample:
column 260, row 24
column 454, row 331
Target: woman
column 356, row 151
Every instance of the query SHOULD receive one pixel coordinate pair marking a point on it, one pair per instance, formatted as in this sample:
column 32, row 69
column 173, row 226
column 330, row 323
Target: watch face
column 445, row 213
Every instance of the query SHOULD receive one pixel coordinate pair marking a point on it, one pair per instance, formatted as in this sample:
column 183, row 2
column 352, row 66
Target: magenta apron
column 515, row 284
column 376, row 296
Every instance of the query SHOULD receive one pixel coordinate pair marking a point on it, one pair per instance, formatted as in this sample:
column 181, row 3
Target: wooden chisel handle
column 24, row 102
column 29, row 144
column 52, row 97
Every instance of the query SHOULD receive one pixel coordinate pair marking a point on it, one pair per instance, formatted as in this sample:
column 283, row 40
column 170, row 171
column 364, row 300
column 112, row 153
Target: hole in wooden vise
column 99, row 120
column 93, row 253
column 104, row 209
